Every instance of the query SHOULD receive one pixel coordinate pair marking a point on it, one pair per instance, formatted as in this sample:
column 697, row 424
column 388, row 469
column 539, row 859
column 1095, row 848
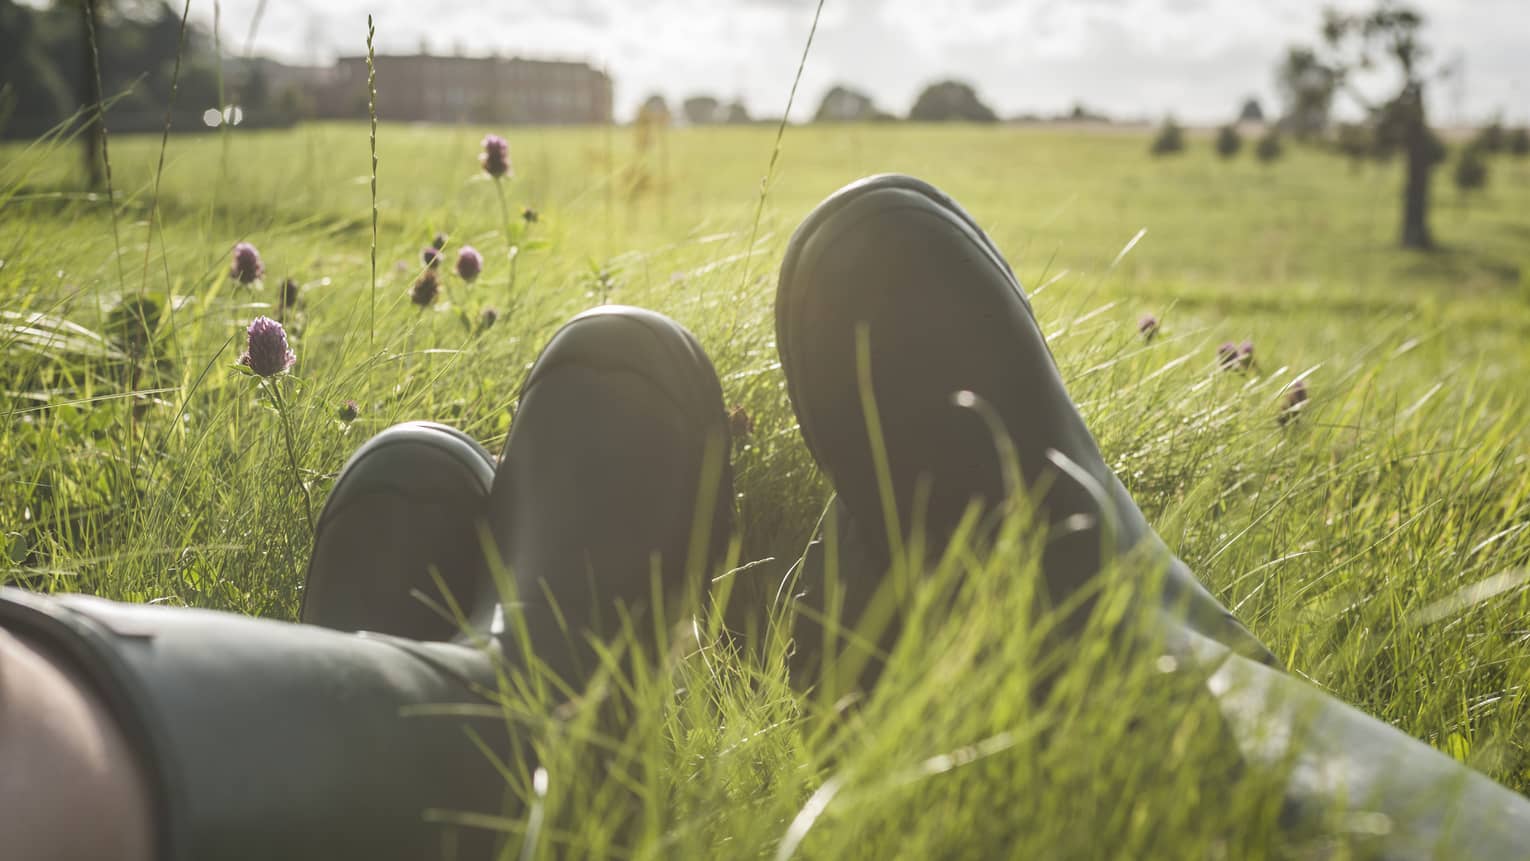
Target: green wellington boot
column 406, row 509
column 265, row 739
column 616, row 472
column 941, row 312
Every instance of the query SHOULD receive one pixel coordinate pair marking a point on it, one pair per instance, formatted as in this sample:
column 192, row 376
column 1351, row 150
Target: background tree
column 654, row 111
column 950, row 101
column 46, row 62
column 40, row 93
column 1471, row 174
column 701, row 110
column 1169, row 140
column 1082, row 113
column 842, row 104
column 1270, row 148
column 91, row 99
column 1228, row 141
column 735, row 113
column 1251, row 112
column 1491, row 138
column 1392, row 30
column 1519, row 142
column 1307, row 86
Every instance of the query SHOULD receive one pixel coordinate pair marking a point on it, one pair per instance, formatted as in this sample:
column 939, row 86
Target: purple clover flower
column 348, row 411
column 1246, row 354
column 1148, row 326
column 530, row 216
column 266, row 350
column 425, row 290
column 247, row 268
column 469, row 263
column 487, row 319
column 495, row 157
column 1227, row 356
column 1296, row 398
column 740, row 423
column 439, row 242
column 431, row 255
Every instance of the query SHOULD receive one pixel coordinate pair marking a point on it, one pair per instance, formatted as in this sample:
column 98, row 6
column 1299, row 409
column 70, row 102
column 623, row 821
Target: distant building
column 426, row 88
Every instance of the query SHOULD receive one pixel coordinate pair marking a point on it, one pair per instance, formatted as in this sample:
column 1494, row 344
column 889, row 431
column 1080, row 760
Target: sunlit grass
column 1348, row 540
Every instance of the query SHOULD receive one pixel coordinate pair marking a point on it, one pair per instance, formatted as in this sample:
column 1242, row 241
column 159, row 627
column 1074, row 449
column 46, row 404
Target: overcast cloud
column 1195, row 58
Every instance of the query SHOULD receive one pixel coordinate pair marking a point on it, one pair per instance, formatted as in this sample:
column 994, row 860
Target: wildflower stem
column 273, row 388
column 504, row 214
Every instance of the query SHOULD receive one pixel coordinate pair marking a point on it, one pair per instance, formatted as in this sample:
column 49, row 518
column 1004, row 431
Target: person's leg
column 265, row 739
column 894, row 270
column 262, row 739
column 67, row 762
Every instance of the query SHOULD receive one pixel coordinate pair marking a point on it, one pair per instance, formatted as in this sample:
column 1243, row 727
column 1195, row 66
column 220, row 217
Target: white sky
column 1195, row 58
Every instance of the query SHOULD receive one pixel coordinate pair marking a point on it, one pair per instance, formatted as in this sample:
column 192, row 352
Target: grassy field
column 1354, row 541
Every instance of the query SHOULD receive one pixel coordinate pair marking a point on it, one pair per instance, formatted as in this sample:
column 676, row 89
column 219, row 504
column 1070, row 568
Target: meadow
column 1379, row 543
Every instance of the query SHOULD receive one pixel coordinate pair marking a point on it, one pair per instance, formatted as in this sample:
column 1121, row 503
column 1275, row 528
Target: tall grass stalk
column 372, row 141
column 775, row 152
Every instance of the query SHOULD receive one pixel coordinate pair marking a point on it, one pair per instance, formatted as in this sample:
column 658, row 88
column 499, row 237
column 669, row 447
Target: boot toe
column 407, row 503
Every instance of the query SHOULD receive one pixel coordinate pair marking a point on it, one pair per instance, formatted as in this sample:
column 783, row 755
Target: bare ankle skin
column 71, row 786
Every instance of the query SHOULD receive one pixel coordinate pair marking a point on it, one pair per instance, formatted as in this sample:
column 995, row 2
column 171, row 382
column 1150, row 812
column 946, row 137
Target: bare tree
column 90, row 92
column 1391, row 32
column 1307, row 85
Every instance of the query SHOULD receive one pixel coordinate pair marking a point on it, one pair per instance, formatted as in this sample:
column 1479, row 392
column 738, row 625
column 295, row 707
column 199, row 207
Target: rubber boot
column 893, row 262
column 266, row 739
column 403, row 521
column 615, row 484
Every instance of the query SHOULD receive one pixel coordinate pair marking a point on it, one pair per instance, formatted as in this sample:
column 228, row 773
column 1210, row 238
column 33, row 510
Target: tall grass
column 1378, row 544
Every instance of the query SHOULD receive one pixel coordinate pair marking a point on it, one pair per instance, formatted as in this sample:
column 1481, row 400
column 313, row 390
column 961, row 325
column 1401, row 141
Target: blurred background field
column 140, row 466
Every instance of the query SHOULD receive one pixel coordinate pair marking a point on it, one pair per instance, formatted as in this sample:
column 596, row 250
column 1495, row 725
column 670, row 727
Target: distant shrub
column 1270, row 148
column 1471, row 169
column 1490, row 139
column 1228, row 141
column 1518, row 143
column 1170, row 139
column 951, row 101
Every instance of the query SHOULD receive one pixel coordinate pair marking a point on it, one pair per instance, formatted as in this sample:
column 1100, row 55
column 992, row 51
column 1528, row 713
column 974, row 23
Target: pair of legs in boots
column 197, row 734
